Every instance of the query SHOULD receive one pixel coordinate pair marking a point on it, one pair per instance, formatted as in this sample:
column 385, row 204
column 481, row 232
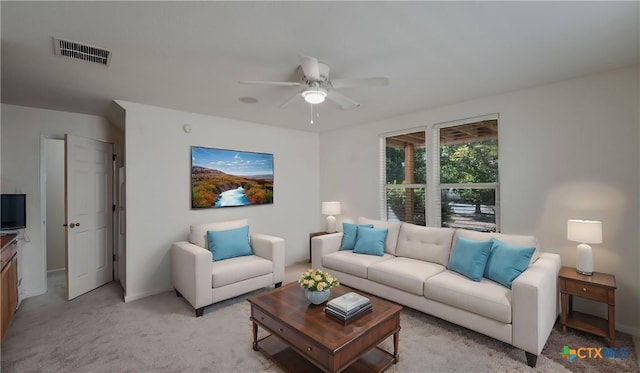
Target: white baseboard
column 56, row 270
column 628, row 329
column 22, row 295
column 131, row 297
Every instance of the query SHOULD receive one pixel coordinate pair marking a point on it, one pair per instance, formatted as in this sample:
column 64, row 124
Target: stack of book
column 348, row 306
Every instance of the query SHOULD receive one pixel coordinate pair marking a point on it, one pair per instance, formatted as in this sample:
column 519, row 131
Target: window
column 406, row 177
column 469, row 175
column 452, row 182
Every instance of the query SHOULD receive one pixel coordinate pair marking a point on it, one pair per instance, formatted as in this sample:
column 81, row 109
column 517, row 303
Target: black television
column 13, row 208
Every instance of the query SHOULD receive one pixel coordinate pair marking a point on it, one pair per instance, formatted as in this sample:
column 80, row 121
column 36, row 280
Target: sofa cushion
column 370, row 241
column 238, row 269
column 229, row 243
column 511, row 239
column 350, row 233
column 506, row 262
column 485, row 298
column 198, row 235
column 425, row 243
column 404, row 273
column 392, row 237
column 469, row 257
column 354, row 264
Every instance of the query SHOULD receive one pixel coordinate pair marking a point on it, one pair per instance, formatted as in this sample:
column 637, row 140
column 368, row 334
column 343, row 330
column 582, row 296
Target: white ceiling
column 190, row 55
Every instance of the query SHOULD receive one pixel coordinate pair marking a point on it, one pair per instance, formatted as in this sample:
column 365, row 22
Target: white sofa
column 413, row 272
column 202, row 281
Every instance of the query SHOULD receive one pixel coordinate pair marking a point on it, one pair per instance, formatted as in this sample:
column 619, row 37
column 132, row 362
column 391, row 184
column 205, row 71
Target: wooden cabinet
column 8, row 281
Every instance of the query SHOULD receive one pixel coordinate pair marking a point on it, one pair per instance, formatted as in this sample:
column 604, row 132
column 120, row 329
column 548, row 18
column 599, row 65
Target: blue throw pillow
column 229, row 243
column 507, row 262
column 469, row 257
column 370, row 241
column 350, row 231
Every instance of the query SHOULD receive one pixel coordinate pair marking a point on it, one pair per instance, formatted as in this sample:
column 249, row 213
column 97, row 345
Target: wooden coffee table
column 304, row 339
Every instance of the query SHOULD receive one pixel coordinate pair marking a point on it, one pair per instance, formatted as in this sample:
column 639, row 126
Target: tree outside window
column 469, row 175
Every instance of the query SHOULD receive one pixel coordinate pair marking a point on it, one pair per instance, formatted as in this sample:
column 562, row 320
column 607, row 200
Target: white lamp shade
column 331, row 208
column 584, row 231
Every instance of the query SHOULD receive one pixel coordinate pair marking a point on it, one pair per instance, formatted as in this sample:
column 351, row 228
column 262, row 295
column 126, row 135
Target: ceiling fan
column 317, row 86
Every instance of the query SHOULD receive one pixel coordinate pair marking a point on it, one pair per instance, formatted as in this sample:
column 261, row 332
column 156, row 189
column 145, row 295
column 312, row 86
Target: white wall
column 22, row 130
column 567, row 150
column 56, row 256
column 158, row 160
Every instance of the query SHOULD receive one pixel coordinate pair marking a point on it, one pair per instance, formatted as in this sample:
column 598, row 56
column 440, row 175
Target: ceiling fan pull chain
column 311, row 121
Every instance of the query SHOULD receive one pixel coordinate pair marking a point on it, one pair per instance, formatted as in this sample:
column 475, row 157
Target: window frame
column 433, row 187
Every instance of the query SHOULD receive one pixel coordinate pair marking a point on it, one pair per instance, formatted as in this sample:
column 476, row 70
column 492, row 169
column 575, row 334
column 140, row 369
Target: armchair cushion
column 229, row 243
column 238, row 269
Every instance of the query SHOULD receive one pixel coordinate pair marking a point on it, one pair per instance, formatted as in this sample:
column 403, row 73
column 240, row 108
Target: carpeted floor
column 99, row 333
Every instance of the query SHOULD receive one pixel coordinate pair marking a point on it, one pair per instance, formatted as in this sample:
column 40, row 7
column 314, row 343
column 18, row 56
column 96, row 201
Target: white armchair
column 202, row 281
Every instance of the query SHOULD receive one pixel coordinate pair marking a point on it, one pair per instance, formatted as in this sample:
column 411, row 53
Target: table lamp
column 585, row 232
column 330, row 209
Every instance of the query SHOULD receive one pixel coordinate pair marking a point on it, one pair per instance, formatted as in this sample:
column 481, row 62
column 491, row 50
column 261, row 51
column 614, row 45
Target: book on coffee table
column 351, row 311
column 346, row 317
column 348, row 302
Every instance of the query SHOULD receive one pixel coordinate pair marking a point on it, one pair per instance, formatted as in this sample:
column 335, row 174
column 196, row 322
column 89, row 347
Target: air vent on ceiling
column 80, row 51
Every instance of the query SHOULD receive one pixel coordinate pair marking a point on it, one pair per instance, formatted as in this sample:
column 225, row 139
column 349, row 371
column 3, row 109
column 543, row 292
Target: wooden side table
column 599, row 287
column 311, row 235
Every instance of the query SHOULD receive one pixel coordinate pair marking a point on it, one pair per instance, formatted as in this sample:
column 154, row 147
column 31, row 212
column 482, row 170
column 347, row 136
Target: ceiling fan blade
column 344, row 102
column 310, row 68
column 360, row 82
column 289, row 100
column 269, row 82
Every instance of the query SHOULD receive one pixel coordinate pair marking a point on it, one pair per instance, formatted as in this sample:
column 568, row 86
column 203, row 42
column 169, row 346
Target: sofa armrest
column 323, row 245
column 191, row 273
column 272, row 248
column 535, row 303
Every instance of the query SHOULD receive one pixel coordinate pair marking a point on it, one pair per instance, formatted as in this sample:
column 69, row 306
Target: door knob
column 71, row 225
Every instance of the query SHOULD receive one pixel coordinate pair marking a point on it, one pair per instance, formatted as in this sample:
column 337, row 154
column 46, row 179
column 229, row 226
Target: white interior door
column 88, row 212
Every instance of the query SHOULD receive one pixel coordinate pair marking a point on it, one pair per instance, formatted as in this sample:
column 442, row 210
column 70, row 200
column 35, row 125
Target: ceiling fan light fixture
column 314, row 95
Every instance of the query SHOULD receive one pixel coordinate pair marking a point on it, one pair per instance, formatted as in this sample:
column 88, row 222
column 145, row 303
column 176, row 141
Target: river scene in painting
column 225, row 178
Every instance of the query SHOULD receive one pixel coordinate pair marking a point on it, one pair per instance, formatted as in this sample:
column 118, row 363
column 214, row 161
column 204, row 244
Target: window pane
column 469, row 208
column 406, row 204
column 406, row 159
column 469, row 153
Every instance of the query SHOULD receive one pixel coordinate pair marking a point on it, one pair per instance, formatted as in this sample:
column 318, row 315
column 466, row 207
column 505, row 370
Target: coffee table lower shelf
column 375, row 360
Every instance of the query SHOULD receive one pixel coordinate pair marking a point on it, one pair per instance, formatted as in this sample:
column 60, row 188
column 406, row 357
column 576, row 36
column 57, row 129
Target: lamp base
column 331, row 224
column 584, row 259
column 584, row 273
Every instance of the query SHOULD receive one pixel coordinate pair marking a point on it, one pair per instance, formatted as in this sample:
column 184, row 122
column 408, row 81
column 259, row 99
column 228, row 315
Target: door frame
column 43, row 207
column 43, row 216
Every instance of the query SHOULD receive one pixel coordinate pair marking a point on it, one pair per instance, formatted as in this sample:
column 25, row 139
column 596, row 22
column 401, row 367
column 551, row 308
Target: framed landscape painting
column 227, row 178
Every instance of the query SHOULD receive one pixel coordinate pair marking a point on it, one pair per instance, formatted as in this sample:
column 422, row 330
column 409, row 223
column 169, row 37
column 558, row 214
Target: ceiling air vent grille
column 83, row 52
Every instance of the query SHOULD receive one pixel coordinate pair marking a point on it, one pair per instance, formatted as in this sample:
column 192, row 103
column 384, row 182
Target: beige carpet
column 99, row 333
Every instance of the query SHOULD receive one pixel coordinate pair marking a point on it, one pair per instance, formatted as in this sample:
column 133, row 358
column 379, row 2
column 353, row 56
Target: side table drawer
column 586, row 291
column 306, row 347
